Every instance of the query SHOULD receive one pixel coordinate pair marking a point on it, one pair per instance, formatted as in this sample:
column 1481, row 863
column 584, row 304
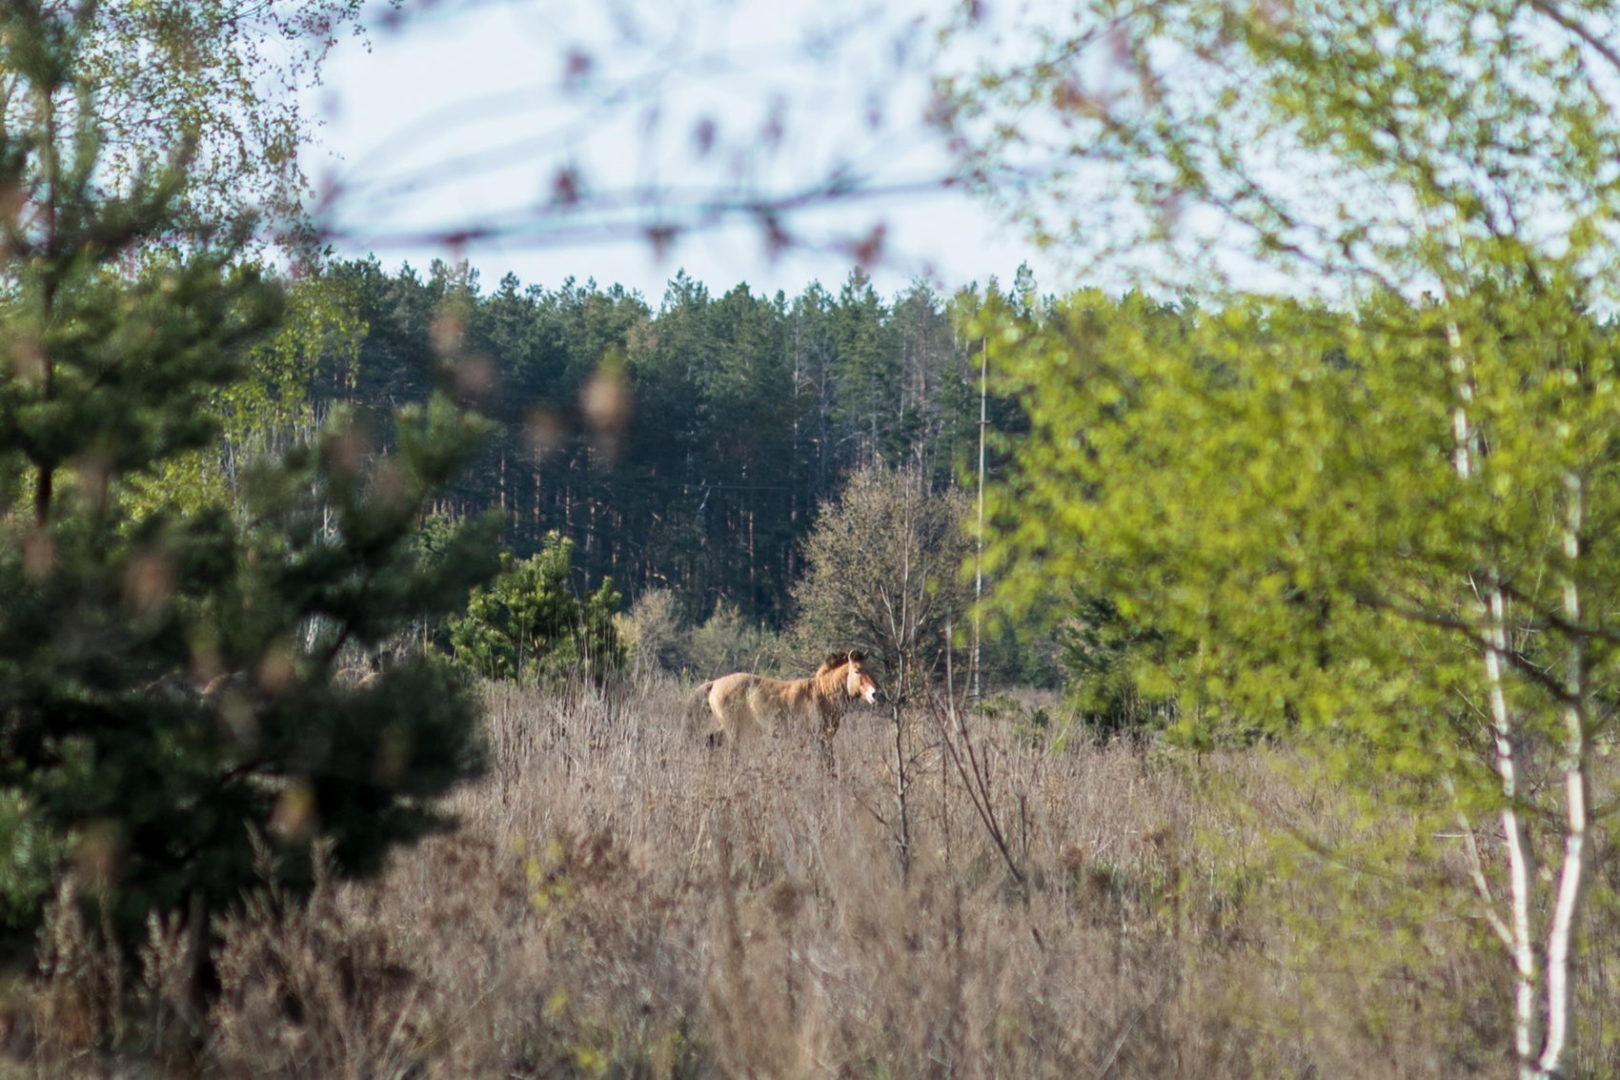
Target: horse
column 745, row 706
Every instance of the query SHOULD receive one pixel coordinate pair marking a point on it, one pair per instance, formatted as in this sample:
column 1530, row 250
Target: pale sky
column 463, row 117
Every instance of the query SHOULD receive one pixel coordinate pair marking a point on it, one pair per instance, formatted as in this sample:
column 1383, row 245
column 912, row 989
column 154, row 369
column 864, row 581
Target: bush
column 658, row 640
column 727, row 642
column 528, row 625
column 651, row 631
column 1100, row 650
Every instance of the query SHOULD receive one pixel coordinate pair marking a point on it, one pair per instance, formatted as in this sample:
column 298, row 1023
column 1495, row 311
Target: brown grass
column 622, row 902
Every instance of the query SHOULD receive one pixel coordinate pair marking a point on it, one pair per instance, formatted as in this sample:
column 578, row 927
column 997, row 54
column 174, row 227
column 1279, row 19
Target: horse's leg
column 824, row 736
column 724, row 732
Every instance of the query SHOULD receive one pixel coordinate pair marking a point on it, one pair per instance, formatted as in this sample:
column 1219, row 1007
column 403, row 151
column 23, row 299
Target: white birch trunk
column 1516, row 839
column 1577, row 800
column 1521, row 863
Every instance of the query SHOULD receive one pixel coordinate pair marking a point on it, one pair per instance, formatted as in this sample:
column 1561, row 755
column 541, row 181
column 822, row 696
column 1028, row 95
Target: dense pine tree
column 685, row 448
column 167, row 663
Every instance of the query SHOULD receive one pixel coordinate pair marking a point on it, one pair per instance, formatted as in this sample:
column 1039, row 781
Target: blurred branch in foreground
column 654, row 123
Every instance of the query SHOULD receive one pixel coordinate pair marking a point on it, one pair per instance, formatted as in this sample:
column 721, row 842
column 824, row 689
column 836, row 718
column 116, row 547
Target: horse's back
column 745, row 704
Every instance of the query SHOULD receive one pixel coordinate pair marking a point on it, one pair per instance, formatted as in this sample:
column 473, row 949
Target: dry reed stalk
column 619, row 900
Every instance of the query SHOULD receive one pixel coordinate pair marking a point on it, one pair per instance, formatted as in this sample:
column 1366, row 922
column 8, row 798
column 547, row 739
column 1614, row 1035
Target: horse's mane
column 825, row 684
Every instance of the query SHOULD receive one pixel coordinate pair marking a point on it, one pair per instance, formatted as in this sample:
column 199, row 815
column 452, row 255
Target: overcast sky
column 479, row 113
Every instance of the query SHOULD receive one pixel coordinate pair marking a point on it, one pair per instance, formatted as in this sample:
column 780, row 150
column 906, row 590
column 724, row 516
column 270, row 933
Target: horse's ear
column 857, row 657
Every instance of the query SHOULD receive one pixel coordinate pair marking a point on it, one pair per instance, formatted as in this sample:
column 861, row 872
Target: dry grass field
column 622, row 902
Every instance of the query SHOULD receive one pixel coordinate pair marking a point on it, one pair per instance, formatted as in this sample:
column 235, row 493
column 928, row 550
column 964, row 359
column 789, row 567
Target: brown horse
column 745, row 706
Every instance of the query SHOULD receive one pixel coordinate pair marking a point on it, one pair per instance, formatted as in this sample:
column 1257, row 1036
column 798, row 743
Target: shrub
column 651, row 631
column 528, row 624
column 727, row 641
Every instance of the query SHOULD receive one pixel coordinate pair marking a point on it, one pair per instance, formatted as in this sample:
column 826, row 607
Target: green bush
column 528, row 625
column 30, row 852
column 1100, row 653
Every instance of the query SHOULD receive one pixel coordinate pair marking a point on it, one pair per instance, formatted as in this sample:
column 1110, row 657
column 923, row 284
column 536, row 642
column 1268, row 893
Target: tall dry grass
column 621, row 901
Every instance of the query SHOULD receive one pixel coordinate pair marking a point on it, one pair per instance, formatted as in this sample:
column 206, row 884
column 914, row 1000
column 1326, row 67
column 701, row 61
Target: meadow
column 621, row 901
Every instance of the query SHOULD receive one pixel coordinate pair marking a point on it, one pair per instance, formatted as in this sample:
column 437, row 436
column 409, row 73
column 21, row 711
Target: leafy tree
column 268, row 407
column 1382, row 528
column 166, row 665
column 528, row 623
column 881, row 574
column 224, row 76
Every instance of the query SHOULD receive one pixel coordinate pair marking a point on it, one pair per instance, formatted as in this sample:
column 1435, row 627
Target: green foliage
column 1380, row 528
column 685, row 447
column 1268, row 493
column 226, row 79
column 1098, row 649
column 32, row 854
column 268, row 407
column 1269, row 501
column 528, row 624
column 167, row 657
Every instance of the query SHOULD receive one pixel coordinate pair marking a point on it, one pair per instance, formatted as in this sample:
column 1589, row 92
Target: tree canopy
column 1381, row 524
column 687, row 445
column 168, row 682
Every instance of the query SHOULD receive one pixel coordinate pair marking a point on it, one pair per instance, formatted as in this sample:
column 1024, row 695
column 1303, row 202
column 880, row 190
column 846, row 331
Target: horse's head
column 855, row 679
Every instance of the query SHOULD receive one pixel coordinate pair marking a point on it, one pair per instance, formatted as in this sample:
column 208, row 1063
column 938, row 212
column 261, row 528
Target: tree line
column 684, row 447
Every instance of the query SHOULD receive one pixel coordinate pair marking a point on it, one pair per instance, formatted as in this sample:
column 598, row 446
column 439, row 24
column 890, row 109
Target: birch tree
column 223, row 78
column 1380, row 523
column 881, row 575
